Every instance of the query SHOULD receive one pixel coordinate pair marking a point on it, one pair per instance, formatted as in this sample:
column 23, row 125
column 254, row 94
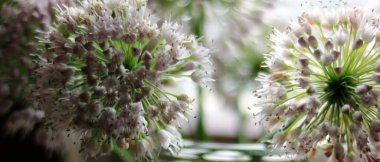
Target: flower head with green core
column 102, row 67
column 324, row 86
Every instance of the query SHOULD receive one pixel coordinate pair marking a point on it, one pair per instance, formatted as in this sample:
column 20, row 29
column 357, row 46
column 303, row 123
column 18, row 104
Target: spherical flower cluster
column 323, row 89
column 101, row 71
column 19, row 23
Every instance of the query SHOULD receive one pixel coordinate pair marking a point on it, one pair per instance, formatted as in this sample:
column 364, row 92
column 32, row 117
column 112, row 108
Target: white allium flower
column 169, row 141
column 201, row 77
column 100, row 71
column 324, row 93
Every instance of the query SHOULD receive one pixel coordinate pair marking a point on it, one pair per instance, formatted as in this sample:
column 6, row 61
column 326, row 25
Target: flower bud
column 304, row 62
column 311, row 90
column 338, row 70
column 312, row 41
column 302, row 42
column 334, row 131
column 375, row 126
column 146, row 57
column 376, row 77
column 335, row 54
column 99, row 91
column 189, row 66
column 136, row 51
column 329, row 45
column 356, row 18
column 303, row 82
column 358, row 116
column 358, row 44
column 362, row 89
column 346, row 109
column 317, row 53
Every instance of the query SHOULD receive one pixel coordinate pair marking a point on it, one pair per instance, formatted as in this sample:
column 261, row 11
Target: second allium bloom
column 323, row 89
column 100, row 76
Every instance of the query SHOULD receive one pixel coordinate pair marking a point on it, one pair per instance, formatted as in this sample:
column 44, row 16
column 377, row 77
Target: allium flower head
column 323, row 88
column 19, row 23
column 101, row 70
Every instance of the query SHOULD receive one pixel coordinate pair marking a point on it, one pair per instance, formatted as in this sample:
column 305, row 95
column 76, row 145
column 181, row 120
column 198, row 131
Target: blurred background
column 221, row 126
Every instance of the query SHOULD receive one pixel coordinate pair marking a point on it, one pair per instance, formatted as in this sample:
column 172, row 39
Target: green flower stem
column 201, row 134
column 197, row 24
column 243, row 118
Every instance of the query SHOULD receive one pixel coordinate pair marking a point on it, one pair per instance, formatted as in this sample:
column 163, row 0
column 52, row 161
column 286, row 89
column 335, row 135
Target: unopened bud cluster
column 100, row 76
column 323, row 89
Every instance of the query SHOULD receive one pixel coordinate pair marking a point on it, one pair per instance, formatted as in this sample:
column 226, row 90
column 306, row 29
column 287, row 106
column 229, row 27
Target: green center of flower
column 339, row 90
